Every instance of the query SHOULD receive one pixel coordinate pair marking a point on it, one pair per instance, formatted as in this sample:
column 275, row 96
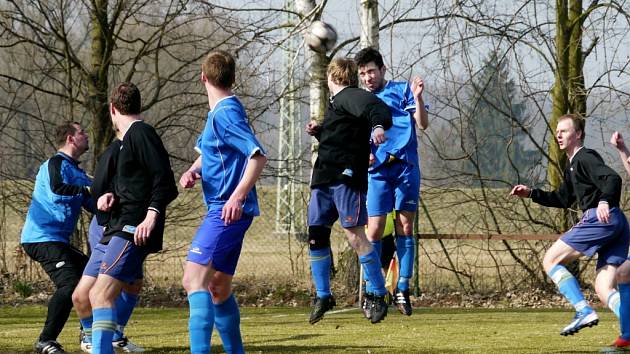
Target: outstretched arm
column 617, row 140
column 421, row 116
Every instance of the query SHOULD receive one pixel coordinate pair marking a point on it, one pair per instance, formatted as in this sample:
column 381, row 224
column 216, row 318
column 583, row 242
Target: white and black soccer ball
column 321, row 37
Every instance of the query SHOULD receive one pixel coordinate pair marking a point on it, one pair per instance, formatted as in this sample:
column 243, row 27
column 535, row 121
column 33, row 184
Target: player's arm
column 617, row 140
column 57, row 184
column 421, row 116
column 233, row 208
column 606, row 180
column 380, row 118
column 188, row 178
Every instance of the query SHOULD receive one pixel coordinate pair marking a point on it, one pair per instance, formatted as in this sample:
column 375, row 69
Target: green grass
column 286, row 330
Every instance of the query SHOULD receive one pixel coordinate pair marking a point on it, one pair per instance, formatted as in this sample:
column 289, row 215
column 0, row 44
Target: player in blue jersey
column 61, row 189
column 125, row 303
column 339, row 182
column 230, row 162
column 143, row 187
column 603, row 228
column 394, row 175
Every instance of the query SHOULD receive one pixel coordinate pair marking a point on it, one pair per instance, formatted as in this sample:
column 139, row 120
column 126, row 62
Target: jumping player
column 603, row 228
column 339, row 182
column 394, row 175
column 230, row 163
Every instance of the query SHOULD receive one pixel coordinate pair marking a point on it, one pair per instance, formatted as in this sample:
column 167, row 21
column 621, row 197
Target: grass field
column 286, row 330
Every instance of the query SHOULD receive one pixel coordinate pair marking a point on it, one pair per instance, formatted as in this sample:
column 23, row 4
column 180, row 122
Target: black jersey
column 587, row 180
column 104, row 175
column 344, row 137
column 143, row 180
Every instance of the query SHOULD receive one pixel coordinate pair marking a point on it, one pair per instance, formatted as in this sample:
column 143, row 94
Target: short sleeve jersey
column 226, row 144
column 401, row 141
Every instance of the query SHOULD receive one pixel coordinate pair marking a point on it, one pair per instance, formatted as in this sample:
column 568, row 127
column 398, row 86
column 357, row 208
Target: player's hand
column 232, row 210
column 617, row 140
column 372, row 159
column 521, row 191
column 417, row 88
column 143, row 231
column 603, row 213
column 189, row 178
column 378, row 136
column 106, row 202
column 312, row 128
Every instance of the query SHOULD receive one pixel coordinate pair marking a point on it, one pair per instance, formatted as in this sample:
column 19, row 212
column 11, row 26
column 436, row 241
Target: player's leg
column 119, row 265
column 407, row 195
column 201, row 318
column 227, row 317
column 606, row 287
column 321, row 215
column 623, row 281
column 125, row 304
column 63, row 264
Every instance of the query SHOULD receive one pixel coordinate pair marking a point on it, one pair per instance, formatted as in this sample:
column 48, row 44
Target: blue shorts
column 219, row 243
column 93, row 267
column 334, row 201
column 610, row 241
column 393, row 186
column 95, row 233
column 123, row 260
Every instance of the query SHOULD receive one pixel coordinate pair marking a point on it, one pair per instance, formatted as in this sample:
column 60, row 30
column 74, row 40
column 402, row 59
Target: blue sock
column 378, row 247
column 371, row 263
column 103, row 329
column 125, row 303
column 227, row 318
column 613, row 302
column 405, row 248
column 320, row 269
column 569, row 287
column 624, row 310
column 200, row 322
column 86, row 324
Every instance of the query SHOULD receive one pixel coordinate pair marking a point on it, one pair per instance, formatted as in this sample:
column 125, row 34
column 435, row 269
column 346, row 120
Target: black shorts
column 62, row 262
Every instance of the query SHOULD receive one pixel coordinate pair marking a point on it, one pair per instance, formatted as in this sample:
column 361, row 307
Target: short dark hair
column 367, row 55
column 63, row 130
column 579, row 123
column 219, row 69
column 126, row 98
column 343, row 71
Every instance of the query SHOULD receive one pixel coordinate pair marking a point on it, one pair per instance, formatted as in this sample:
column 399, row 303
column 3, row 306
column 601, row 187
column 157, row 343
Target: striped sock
column 569, row 288
column 227, row 319
column 86, row 325
column 200, row 322
column 125, row 303
column 613, row 302
column 103, row 329
column 372, row 266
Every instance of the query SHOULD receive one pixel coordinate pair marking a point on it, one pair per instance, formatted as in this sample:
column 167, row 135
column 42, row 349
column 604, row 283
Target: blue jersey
column 60, row 192
column 401, row 141
column 226, row 145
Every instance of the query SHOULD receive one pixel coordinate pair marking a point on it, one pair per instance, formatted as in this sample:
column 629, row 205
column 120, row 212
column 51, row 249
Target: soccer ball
column 321, row 37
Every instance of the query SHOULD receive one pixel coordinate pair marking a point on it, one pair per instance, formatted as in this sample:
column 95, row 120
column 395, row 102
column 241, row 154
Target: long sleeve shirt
column 344, row 137
column 143, row 180
column 587, row 180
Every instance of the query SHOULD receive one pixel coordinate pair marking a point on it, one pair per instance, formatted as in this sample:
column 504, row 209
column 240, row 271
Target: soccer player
column 339, row 182
column 230, row 162
column 125, row 303
column 603, row 228
column 61, row 189
column 144, row 186
column 623, row 272
column 394, row 175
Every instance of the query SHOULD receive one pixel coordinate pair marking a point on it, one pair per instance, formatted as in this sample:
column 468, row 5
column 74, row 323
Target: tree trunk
column 369, row 24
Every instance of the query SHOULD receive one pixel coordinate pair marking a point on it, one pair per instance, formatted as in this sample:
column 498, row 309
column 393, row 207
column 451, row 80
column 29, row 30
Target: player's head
column 342, row 72
column 570, row 131
column 71, row 135
column 126, row 99
column 219, row 69
column 371, row 68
